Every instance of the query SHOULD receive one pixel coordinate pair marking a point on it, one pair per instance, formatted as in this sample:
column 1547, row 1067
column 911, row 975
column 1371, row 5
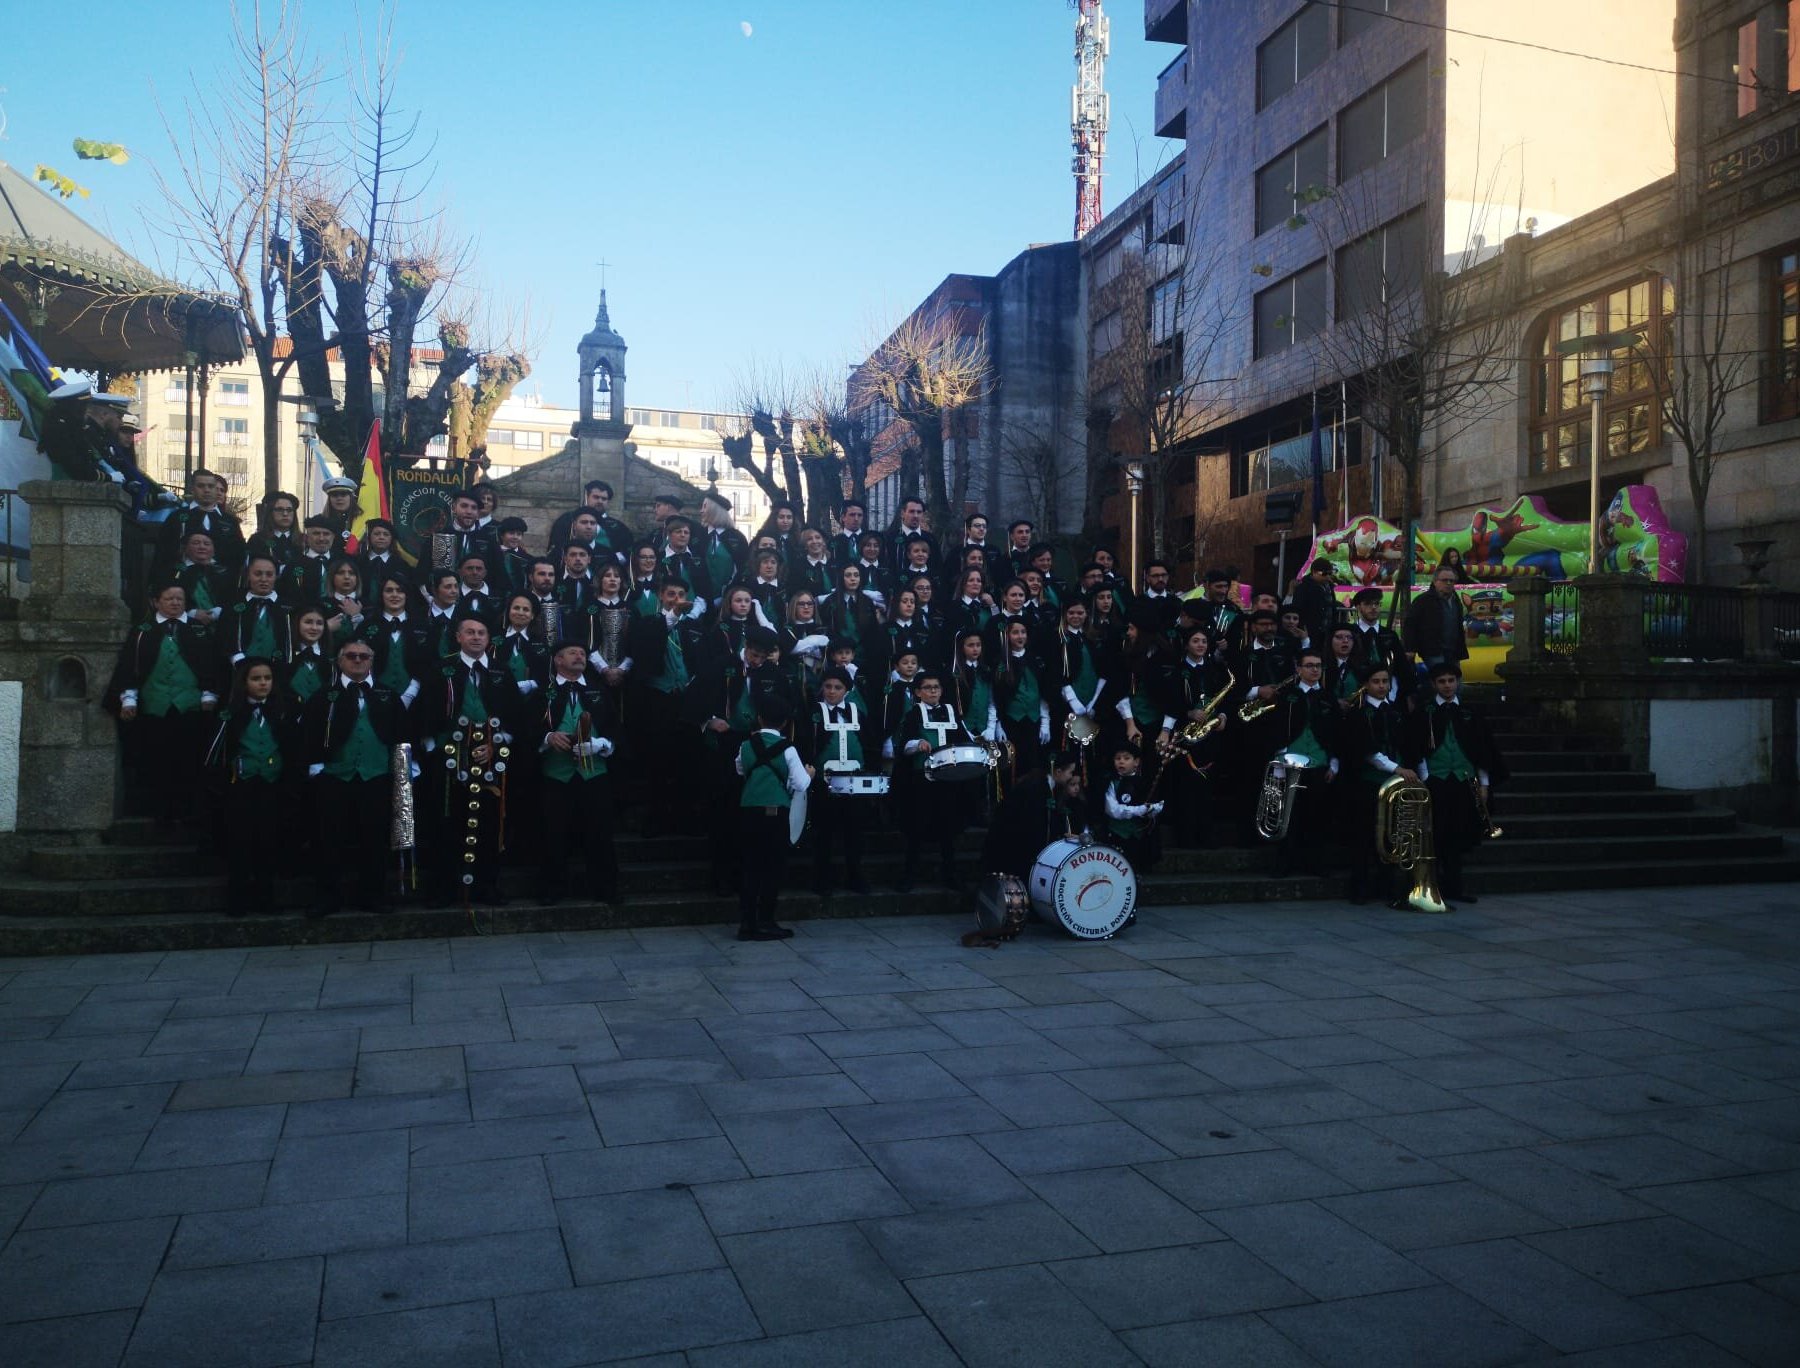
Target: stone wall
column 542, row 492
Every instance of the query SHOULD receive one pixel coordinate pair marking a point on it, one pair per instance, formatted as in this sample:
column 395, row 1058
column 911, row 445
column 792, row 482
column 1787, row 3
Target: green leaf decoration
column 59, row 182
column 89, row 150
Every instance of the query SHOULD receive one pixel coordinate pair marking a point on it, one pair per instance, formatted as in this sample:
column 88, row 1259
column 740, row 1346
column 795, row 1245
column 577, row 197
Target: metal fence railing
column 11, row 553
column 1693, row 622
column 1787, row 626
column 1562, row 620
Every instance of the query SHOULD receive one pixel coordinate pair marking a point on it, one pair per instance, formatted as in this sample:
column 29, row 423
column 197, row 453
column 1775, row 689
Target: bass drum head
column 1091, row 890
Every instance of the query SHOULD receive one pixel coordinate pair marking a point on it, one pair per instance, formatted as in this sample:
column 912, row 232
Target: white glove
column 1156, row 809
column 602, row 746
column 314, row 771
column 1044, row 733
column 992, row 733
column 887, row 749
column 527, row 685
column 413, row 765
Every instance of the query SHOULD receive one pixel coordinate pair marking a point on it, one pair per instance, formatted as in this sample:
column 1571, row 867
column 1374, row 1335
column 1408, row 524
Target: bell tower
column 602, row 354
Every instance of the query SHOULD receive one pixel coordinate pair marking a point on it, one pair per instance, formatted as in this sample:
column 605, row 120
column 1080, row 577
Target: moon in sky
column 745, row 26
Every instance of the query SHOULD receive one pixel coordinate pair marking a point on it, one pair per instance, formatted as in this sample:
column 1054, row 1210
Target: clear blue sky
column 770, row 198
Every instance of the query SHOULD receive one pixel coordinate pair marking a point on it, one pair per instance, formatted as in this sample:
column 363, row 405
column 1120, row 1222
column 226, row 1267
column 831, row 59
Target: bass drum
column 1090, row 889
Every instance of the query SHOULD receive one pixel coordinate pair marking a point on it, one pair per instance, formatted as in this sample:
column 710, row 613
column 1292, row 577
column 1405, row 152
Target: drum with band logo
column 957, row 764
column 1090, row 889
column 857, row 785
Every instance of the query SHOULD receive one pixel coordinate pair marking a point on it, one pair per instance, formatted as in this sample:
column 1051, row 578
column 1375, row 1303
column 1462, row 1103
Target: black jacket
column 235, row 627
column 1026, row 821
column 1434, row 628
column 328, row 716
column 441, row 687
column 138, row 652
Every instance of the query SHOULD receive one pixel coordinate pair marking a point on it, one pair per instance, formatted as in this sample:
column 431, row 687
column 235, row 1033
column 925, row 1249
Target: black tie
column 837, row 714
column 169, row 626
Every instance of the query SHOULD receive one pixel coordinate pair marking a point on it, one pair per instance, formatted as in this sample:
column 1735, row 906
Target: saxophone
column 1192, row 734
column 1403, row 837
column 1256, row 708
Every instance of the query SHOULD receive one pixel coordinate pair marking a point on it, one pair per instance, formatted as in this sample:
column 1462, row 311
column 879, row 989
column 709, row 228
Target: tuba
column 1275, row 800
column 1403, row 837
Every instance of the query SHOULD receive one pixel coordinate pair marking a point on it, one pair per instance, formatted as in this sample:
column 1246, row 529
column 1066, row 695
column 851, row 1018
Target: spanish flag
column 371, row 491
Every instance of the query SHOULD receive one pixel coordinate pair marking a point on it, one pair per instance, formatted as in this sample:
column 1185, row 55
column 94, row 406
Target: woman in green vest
column 163, row 689
column 251, row 757
column 343, row 602
column 310, row 668
column 1022, row 695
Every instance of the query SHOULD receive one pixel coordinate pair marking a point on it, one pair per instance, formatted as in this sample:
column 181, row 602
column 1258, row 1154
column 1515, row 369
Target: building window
column 235, row 392
column 499, row 437
column 528, row 440
column 671, row 419
column 1282, row 185
column 1165, row 308
column 1291, row 53
column 1290, row 310
column 1285, row 458
column 176, row 393
column 1781, row 392
column 1106, row 334
column 1359, row 16
column 1560, row 429
column 233, row 432
column 1383, row 121
column 1376, row 267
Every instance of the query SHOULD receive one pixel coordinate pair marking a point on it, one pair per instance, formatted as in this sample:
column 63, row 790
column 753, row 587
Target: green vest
column 171, row 686
column 1306, row 744
column 308, row 678
column 261, row 641
column 519, row 667
column 393, row 672
column 843, row 746
column 469, row 703
column 1026, row 702
column 561, row 766
column 764, row 785
column 1448, row 761
column 719, row 563
column 981, row 700
column 258, row 757
column 201, row 595
column 363, row 756
column 1144, row 711
column 1085, row 678
column 674, row 676
column 1126, row 826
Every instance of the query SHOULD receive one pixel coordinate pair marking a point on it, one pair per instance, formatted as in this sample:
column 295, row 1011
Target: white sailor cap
column 339, row 482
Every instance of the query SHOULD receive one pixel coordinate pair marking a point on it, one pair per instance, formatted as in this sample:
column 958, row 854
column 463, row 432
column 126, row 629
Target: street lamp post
column 1134, row 492
column 1596, row 369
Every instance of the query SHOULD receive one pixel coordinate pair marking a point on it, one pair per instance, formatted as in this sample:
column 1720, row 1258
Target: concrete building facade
column 1339, row 151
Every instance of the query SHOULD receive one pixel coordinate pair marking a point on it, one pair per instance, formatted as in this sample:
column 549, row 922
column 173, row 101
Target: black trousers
column 162, row 758
column 355, row 819
column 1307, row 846
column 1455, row 825
column 665, row 751
column 254, row 834
column 930, row 813
column 577, row 815
column 1189, row 794
column 1369, row 876
column 1028, row 753
column 763, row 836
column 837, row 824
column 448, row 816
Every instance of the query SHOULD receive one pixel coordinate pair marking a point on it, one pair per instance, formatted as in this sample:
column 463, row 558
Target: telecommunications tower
column 1088, row 110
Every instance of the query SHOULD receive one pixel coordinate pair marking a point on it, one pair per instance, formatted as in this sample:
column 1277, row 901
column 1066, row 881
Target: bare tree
column 1701, row 357
column 927, row 371
column 245, row 145
column 848, row 430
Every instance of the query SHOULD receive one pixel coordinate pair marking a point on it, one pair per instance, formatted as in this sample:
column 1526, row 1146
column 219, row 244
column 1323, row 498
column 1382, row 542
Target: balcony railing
column 1617, row 621
column 1172, row 99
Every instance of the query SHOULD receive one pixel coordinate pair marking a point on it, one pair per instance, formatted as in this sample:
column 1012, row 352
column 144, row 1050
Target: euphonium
column 1403, row 837
column 1275, row 800
column 1256, row 708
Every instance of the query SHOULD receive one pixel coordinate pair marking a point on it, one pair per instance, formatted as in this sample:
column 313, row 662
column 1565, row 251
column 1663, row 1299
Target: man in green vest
column 163, row 687
column 575, row 746
column 349, row 730
column 773, row 773
column 1459, row 763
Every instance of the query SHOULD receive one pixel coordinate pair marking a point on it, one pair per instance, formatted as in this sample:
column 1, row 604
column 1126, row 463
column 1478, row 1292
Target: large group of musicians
column 320, row 701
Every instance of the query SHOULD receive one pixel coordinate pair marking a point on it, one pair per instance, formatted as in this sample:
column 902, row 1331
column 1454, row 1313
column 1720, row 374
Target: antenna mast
column 1089, row 110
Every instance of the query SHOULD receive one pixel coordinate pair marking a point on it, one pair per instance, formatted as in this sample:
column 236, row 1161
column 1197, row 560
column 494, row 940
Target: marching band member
column 1377, row 647
column 772, row 772
column 576, row 797
column 1302, row 734
column 1377, row 743
column 349, row 730
column 1459, row 762
column 1041, row 806
column 309, row 667
column 163, row 687
column 927, row 814
column 1022, row 693
column 838, row 743
column 258, row 624
column 1130, row 815
column 251, row 754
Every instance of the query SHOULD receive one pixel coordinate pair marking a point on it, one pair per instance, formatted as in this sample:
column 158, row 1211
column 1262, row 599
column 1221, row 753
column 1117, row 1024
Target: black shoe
column 770, row 931
column 759, row 933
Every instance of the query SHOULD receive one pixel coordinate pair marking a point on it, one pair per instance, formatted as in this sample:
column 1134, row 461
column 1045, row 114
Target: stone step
column 1607, row 782
column 1529, row 818
column 1518, row 876
column 1536, row 761
column 1709, row 850
column 1574, row 800
column 191, row 927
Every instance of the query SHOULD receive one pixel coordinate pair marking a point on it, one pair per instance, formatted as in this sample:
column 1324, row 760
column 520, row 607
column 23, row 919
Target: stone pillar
column 61, row 651
column 1530, row 601
column 1612, row 621
column 1759, row 623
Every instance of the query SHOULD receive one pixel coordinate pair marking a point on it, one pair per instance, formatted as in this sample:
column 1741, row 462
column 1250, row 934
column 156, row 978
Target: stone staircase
column 1574, row 816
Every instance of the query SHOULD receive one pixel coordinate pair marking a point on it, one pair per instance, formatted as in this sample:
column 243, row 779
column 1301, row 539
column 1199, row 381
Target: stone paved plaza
column 1284, row 1134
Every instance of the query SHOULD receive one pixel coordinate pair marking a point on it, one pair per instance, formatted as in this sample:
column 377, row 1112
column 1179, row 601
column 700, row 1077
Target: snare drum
column 957, row 764
column 1090, row 889
column 857, row 785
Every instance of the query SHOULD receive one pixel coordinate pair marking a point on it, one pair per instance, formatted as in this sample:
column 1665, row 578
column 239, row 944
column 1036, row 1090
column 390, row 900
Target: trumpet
column 1257, row 707
column 1489, row 832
